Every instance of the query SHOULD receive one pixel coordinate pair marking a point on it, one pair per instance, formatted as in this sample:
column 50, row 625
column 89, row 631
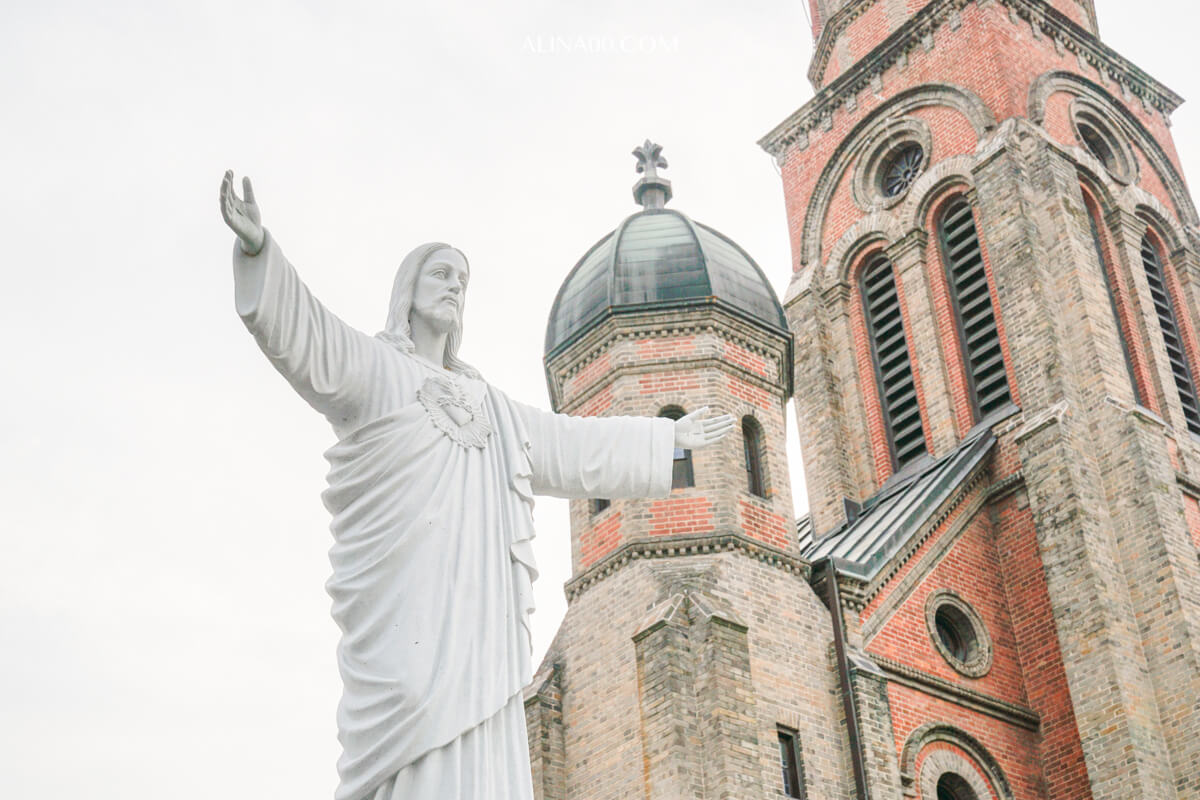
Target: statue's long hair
column 398, row 332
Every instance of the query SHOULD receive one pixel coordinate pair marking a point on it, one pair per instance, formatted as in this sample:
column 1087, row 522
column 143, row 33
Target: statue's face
column 440, row 290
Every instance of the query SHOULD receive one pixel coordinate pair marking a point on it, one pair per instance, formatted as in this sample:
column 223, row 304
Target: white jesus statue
column 431, row 487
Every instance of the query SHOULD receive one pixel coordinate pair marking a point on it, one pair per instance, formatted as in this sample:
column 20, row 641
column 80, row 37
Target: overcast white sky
column 163, row 621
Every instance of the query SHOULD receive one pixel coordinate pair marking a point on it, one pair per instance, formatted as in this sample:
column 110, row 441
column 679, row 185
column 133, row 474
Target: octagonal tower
column 686, row 658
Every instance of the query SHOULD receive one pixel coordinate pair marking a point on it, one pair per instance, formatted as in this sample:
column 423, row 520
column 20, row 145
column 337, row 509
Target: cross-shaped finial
column 649, row 156
column 651, row 190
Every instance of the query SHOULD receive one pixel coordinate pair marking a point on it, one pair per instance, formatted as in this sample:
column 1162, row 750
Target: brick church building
column 991, row 338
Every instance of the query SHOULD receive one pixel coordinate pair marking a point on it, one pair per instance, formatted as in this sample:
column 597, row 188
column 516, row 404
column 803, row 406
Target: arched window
column 954, row 787
column 1106, row 268
column 682, row 475
column 972, row 299
column 599, row 505
column 752, row 442
column 1164, row 308
column 893, row 370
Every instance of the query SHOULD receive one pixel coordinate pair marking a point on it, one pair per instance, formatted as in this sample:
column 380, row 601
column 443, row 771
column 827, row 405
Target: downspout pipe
column 827, row 567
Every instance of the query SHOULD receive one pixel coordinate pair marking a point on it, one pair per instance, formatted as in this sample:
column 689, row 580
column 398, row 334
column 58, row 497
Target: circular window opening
column 1096, row 145
column 954, row 787
column 1100, row 137
column 901, row 169
column 956, row 632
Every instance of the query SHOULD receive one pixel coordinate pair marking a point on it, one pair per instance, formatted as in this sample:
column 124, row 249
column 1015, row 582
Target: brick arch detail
column 1055, row 81
column 934, row 187
column 874, row 231
column 941, row 760
column 963, row 100
column 1130, row 197
column 975, row 753
column 1159, row 220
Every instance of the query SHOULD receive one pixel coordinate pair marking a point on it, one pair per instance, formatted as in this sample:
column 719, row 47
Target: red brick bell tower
column 994, row 308
column 693, row 654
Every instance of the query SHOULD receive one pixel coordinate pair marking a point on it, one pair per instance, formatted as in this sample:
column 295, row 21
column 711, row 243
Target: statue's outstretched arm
column 613, row 456
column 242, row 216
column 325, row 360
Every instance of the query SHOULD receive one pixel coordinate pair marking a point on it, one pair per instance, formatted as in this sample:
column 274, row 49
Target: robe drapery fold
column 432, row 558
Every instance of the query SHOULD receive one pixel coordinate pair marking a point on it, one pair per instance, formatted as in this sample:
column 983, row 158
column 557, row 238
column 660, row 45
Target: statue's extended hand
column 242, row 215
column 693, row 431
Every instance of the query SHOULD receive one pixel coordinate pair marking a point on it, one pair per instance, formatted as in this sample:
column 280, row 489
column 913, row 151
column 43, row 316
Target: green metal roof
column 655, row 258
column 889, row 519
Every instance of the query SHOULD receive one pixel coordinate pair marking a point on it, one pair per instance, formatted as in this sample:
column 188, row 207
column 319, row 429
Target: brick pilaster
column 672, row 769
column 877, row 736
column 1066, row 357
column 725, row 702
column 818, row 325
column 909, row 260
column 544, row 723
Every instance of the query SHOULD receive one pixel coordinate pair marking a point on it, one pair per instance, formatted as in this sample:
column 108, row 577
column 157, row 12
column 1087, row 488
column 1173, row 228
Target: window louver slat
column 972, row 299
column 965, row 247
column 977, row 308
column 901, row 398
column 889, row 346
column 979, row 342
column 1167, row 321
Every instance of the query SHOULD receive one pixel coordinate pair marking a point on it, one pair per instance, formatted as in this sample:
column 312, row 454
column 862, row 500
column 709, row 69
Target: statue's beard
column 443, row 318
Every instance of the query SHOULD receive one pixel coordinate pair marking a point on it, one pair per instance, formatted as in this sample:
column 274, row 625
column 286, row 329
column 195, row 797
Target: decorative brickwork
column 1076, row 549
column 1060, row 533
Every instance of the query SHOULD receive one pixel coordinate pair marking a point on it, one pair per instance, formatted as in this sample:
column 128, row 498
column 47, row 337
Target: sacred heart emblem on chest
column 454, row 413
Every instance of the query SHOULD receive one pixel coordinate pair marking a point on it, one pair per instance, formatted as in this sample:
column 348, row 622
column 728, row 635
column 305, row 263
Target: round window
column 1097, row 134
column 1096, row 145
column 900, row 169
column 955, row 631
column 892, row 158
column 959, row 634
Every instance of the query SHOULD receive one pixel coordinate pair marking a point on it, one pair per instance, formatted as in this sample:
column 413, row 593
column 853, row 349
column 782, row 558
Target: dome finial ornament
column 651, row 191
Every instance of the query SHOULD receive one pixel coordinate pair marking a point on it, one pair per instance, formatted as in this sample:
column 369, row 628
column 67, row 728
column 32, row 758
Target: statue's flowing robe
column 432, row 558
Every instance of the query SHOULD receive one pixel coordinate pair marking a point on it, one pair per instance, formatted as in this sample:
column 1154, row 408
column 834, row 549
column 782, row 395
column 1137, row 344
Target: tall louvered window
column 1106, row 269
column 1172, row 335
column 977, row 331
column 893, row 370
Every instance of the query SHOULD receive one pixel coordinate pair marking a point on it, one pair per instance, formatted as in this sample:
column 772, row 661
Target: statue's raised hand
column 241, row 215
column 694, row 431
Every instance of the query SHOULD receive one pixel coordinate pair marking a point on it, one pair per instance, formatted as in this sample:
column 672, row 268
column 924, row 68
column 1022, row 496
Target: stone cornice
column 918, row 31
column 772, row 346
column 671, row 364
column 672, row 546
column 933, row 685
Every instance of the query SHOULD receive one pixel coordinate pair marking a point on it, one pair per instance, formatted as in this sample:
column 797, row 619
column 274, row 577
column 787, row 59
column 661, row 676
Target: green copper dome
column 659, row 258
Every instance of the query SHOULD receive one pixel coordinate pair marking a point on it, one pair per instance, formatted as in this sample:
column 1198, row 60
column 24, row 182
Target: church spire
column 651, row 191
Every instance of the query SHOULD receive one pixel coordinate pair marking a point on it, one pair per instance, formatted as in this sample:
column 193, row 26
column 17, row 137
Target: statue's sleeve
column 324, row 359
column 606, row 457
